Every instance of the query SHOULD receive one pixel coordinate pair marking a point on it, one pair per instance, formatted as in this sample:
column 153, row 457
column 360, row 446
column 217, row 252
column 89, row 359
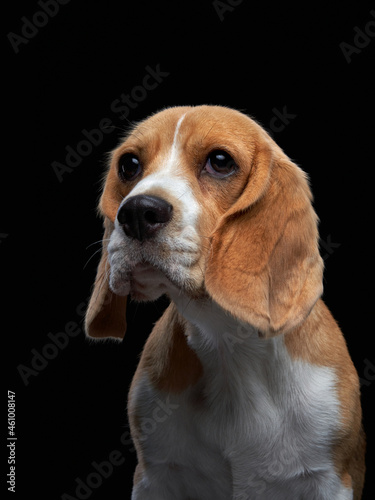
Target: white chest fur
column 258, row 425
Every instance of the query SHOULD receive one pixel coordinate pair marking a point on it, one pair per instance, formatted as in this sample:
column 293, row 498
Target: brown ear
column 265, row 266
column 106, row 312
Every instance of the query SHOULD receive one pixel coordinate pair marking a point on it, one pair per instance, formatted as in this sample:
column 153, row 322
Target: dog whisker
column 92, row 256
column 97, row 242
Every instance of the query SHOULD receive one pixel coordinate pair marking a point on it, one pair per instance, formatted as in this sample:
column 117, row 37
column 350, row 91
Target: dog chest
column 278, row 426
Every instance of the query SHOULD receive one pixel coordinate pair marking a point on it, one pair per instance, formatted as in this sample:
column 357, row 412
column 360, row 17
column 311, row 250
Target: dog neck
column 225, row 344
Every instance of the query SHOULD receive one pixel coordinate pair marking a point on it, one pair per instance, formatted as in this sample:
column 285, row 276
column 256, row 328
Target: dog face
column 201, row 201
column 174, row 178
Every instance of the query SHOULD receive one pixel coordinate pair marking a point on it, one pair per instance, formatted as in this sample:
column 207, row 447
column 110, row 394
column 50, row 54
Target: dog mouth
column 147, row 281
column 144, row 282
column 149, row 269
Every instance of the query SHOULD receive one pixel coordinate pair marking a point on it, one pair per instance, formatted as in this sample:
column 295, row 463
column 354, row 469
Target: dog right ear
column 265, row 267
column 106, row 312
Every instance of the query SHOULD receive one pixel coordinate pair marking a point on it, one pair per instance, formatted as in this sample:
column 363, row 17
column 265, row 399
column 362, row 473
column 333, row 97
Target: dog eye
column 129, row 167
column 220, row 164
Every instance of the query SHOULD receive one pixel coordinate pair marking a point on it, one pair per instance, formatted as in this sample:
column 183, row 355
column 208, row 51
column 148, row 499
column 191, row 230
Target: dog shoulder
column 170, row 364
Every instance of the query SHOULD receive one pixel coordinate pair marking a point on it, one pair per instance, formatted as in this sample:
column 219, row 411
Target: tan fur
column 171, row 364
column 279, row 270
column 259, row 260
column 106, row 313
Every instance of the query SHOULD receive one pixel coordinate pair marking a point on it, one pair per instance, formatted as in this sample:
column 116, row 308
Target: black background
column 72, row 412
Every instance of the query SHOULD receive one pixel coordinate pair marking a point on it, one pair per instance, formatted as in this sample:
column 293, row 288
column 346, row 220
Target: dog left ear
column 106, row 312
column 265, row 266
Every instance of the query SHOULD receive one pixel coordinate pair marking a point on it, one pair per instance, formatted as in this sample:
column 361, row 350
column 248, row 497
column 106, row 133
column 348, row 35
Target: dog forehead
column 157, row 131
column 200, row 126
column 166, row 177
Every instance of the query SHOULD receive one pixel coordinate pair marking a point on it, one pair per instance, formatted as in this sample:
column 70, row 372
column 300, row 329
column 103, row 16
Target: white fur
column 175, row 252
column 170, row 178
column 263, row 428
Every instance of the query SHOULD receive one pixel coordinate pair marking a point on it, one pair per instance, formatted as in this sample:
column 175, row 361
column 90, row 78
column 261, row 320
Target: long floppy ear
column 106, row 312
column 265, row 266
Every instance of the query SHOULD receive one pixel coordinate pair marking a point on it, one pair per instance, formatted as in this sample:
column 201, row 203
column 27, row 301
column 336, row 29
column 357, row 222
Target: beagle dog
column 245, row 389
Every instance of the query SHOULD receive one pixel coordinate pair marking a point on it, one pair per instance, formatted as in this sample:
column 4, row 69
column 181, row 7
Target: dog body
column 245, row 388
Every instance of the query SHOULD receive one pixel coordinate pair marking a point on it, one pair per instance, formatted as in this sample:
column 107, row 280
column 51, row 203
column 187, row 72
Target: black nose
column 141, row 216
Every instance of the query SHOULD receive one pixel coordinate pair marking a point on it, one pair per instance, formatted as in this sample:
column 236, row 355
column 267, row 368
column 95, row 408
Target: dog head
column 201, row 201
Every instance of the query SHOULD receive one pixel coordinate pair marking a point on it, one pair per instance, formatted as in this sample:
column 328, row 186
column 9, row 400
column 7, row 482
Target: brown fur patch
column 171, row 364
